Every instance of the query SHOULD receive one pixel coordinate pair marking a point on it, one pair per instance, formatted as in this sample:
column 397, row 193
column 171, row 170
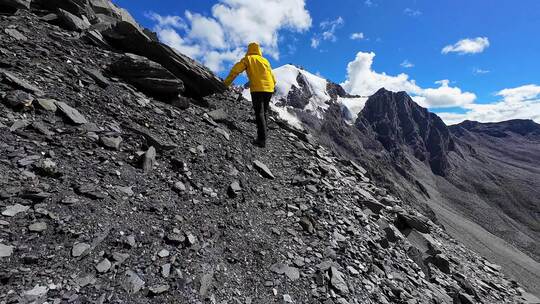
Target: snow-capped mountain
column 300, row 90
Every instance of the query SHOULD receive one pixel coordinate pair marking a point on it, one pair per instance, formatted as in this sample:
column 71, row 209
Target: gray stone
column 218, row 115
column 14, row 210
column 97, row 77
column 111, row 142
column 38, row 227
column 159, row 289
column 405, row 222
column 72, row 22
column 291, row 272
column 35, row 294
column 163, row 253
column 5, row 250
column 19, row 83
column 148, row 76
column 103, row 266
column 79, row 248
column 132, row 283
column 19, row 124
column 15, row 34
column 337, row 280
column 180, row 187
column 234, row 189
column 74, row 116
column 263, row 169
column 126, row 190
column 224, row 133
column 207, row 280
column 166, row 270
column 86, row 280
column 149, row 160
column 374, row 205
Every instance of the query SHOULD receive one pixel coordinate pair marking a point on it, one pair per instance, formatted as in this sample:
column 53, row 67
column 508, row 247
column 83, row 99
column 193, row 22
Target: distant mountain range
column 480, row 180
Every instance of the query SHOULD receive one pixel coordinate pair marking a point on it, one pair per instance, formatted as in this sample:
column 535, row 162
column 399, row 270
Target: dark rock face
column 298, row 97
column 148, row 76
column 11, row 6
column 335, row 90
column 399, row 122
column 199, row 81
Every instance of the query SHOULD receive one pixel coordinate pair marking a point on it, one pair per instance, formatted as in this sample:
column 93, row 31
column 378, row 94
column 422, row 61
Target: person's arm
column 273, row 78
column 237, row 69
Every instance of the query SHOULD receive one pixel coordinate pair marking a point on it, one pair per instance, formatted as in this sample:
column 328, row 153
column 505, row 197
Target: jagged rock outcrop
column 147, row 76
column 399, row 123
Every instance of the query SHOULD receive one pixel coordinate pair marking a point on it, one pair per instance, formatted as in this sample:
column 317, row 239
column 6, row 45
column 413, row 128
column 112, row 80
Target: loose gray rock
column 234, row 189
column 13, row 210
column 19, row 124
column 263, row 169
column 37, row 293
column 337, row 280
column 132, row 283
column 15, row 34
column 72, row 22
column 74, row 116
column 180, row 187
column 103, row 266
column 159, row 289
column 38, row 227
column 79, row 248
column 218, row 115
column 111, row 142
column 47, row 104
column 97, row 77
column 207, row 281
column 19, row 99
column 19, row 83
column 149, row 160
column 5, row 250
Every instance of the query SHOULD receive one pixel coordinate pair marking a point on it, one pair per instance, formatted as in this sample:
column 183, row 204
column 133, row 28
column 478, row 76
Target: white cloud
column 407, row 64
column 467, row 46
column 517, row 103
column 412, row 12
column 362, row 80
column 357, row 36
column 315, row 42
column 369, row 3
column 479, row 71
column 330, row 27
column 232, row 25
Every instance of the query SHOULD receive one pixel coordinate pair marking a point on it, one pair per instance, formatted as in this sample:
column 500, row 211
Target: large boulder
column 72, row 22
column 147, row 76
column 199, row 81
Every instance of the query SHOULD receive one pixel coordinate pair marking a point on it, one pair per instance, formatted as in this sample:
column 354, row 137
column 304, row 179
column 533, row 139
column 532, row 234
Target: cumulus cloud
column 412, row 12
column 357, row 36
column 223, row 36
column 467, row 46
column 407, row 64
column 363, row 80
column 517, row 103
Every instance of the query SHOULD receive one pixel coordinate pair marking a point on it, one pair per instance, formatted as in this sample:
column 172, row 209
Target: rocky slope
column 109, row 195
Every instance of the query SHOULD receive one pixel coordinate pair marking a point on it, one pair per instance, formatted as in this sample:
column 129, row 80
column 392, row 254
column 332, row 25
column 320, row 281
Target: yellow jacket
column 258, row 69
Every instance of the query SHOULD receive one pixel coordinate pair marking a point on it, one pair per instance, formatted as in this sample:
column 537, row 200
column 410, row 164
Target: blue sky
column 493, row 76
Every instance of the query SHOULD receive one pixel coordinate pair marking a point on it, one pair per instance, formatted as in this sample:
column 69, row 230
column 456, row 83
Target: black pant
column 261, row 105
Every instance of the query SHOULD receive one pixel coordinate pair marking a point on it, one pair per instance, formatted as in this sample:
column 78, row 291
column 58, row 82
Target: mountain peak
column 499, row 129
column 399, row 123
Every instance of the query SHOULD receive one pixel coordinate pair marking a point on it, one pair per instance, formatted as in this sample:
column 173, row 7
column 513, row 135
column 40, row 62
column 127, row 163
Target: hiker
column 261, row 84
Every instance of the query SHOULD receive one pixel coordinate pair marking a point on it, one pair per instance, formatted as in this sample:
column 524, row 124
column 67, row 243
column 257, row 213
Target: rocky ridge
column 112, row 196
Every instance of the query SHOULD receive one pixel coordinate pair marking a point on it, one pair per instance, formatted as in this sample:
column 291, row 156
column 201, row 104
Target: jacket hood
column 254, row 49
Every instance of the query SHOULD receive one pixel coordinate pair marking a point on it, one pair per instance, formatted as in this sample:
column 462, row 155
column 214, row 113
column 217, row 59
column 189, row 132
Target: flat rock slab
column 5, row 250
column 96, row 75
column 13, row 210
column 75, row 116
column 79, row 248
column 263, row 169
column 218, row 115
column 19, row 83
column 38, row 227
column 72, row 22
column 103, row 266
column 15, row 34
column 47, row 104
column 132, row 283
column 111, row 142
